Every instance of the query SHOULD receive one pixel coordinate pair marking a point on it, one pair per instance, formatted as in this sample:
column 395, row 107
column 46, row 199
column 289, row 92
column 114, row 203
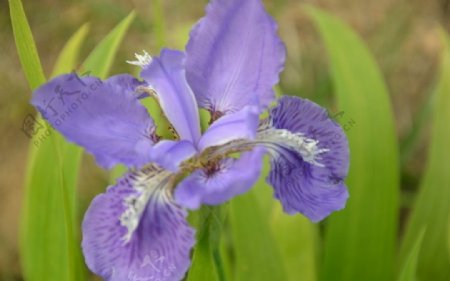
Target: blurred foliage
column 360, row 240
column 395, row 42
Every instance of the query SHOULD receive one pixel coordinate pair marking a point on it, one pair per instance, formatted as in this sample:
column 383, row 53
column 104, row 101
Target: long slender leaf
column 448, row 236
column 100, row 60
column 408, row 270
column 360, row 240
column 35, row 267
column 209, row 230
column 68, row 57
column 25, row 45
column 295, row 235
column 433, row 204
column 297, row 238
column 49, row 214
column 257, row 257
column 159, row 23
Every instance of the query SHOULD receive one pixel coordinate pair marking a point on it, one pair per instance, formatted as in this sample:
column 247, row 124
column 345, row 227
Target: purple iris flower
column 137, row 230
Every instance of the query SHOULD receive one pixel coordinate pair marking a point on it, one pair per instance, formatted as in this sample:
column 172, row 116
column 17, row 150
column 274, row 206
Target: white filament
column 145, row 184
column 307, row 148
column 141, row 60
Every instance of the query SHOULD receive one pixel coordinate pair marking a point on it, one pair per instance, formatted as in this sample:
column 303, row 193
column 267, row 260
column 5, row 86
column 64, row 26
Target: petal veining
column 135, row 231
column 234, row 56
column 230, row 177
column 239, row 125
column 166, row 76
column 309, row 157
column 309, row 179
column 105, row 117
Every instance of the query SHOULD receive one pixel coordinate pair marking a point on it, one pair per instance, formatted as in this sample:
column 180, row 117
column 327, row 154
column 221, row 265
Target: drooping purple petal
column 170, row 154
column 229, row 178
column 239, row 125
column 130, row 83
column 234, row 56
column 125, row 81
column 167, row 76
column 314, row 187
column 158, row 246
column 105, row 117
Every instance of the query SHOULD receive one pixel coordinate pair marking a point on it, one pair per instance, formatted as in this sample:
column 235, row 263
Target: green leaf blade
column 361, row 240
column 100, row 60
column 50, row 227
column 432, row 208
column 68, row 57
column 209, row 230
column 408, row 271
column 25, row 45
column 257, row 256
column 297, row 238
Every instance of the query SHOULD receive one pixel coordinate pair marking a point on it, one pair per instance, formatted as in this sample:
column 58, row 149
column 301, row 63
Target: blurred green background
column 403, row 36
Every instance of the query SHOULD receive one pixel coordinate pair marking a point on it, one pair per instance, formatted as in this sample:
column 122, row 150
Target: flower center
column 211, row 167
column 277, row 142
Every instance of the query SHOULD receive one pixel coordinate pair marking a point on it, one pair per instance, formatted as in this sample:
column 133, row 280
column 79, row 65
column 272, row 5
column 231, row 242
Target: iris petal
column 313, row 187
column 309, row 157
column 170, row 154
column 105, row 117
column 156, row 246
column 166, row 75
column 234, row 56
column 232, row 177
column 239, row 125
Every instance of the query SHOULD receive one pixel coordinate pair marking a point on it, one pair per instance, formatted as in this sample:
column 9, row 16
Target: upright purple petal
column 223, row 181
column 105, row 117
column 155, row 247
column 239, row 125
column 234, row 56
column 308, row 179
column 166, row 75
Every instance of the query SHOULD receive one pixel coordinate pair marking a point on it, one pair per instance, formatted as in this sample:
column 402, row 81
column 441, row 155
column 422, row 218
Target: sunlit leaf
column 257, row 257
column 68, row 58
column 432, row 207
column 295, row 235
column 159, row 23
column 50, row 239
column 297, row 238
column 409, row 267
column 209, row 231
column 47, row 229
column 361, row 240
column 25, row 45
column 101, row 58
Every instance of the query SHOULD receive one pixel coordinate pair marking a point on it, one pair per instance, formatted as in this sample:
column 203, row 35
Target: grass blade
column 296, row 236
column 36, row 199
column 159, row 25
column 209, row 229
column 25, row 45
column 257, row 257
column 68, row 58
column 36, row 229
column 432, row 207
column 360, row 240
column 408, row 271
column 100, row 60
column 48, row 227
